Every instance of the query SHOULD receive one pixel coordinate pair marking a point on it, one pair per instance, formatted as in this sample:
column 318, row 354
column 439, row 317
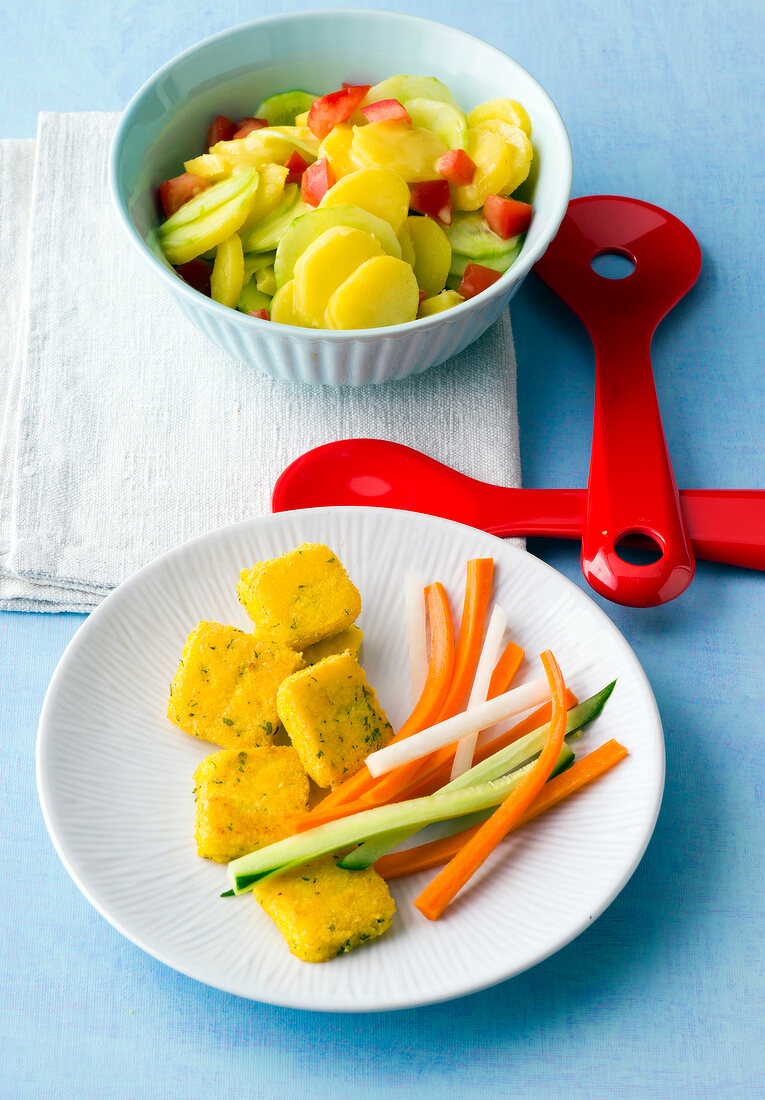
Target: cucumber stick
column 500, row 763
column 296, row 850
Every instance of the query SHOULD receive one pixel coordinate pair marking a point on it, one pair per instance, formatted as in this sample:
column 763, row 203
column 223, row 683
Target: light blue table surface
column 663, row 996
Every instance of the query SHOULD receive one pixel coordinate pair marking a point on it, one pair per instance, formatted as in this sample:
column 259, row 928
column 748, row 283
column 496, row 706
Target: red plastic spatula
column 631, row 488
column 725, row 525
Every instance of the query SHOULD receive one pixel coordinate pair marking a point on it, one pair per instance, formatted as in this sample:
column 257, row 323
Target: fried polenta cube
column 299, row 598
column 333, row 718
column 243, row 797
column 347, row 641
column 225, row 687
column 323, row 910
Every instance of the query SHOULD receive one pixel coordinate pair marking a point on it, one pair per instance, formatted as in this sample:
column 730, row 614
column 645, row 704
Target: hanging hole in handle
column 638, row 548
column 613, row 263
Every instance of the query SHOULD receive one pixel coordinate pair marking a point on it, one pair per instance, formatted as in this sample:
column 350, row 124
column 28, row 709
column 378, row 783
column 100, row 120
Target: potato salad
column 362, row 208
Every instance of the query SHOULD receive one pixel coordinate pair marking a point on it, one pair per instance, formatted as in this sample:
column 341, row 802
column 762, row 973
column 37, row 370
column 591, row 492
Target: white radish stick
column 461, row 725
column 463, row 757
column 416, row 631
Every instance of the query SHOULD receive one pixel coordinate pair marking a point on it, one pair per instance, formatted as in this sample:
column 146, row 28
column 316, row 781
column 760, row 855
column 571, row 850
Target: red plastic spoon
column 727, row 525
column 631, row 487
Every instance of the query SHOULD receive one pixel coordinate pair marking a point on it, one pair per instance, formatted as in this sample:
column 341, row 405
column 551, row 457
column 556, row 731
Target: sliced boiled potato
column 270, row 145
column 270, row 193
column 383, row 291
column 301, row 119
column 265, row 281
column 228, row 272
column 445, row 300
column 404, row 88
column 326, row 264
column 381, row 191
column 411, row 151
column 210, row 166
column 506, row 110
column 310, row 226
column 336, row 147
column 447, row 122
column 432, row 253
column 518, row 140
column 499, row 165
column 283, row 306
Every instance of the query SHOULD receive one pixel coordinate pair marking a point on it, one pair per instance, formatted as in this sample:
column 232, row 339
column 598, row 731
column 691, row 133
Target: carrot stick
column 426, row 856
column 478, row 581
column 438, row 773
column 427, row 707
column 450, row 880
column 505, row 670
column 480, row 574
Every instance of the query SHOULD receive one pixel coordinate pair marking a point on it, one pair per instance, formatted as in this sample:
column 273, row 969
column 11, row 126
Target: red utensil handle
column 631, row 488
column 725, row 525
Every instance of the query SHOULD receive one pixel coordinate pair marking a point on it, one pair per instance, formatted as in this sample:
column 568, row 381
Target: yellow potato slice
column 271, row 181
column 411, row 151
column 379, row 191
column 228, row 272
column 265, row 281
column 283, row 306
column 445, row 300
column 213, row 167
column 336, row 147
column 432, row 253
column 326, row 264
column 517, row 139
column 301, row 119
column 381, row 292
column 506, row 110
column 499, row 166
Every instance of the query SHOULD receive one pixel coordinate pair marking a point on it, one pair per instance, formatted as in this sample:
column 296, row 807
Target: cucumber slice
column 207, row 201
column 282, row 109
column 491, row 769
column 405, row 88
column 447, row 122
column 294, row 851
column 496, row 263
column 470, row 235
column 182, row 243
column 309, row 227
column 267, row 233
column 252, row 299
column 255, row 262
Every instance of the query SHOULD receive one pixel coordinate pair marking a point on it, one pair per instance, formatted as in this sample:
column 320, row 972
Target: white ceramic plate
column 115, row 784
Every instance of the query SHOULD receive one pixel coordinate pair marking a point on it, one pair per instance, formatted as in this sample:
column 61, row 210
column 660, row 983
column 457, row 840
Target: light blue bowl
column 230, row 73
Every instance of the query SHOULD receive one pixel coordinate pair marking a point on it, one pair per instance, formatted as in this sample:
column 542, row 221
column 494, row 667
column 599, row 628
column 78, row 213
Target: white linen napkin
column 126, row 433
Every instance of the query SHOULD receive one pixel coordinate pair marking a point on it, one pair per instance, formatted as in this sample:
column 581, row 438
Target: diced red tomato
column 197, row 274
column 329, row 110
column 316, row 181
column 261, row 313
column 221, row 128
column 295, row 166
column 386, row 110
column 506, row 217
column 433, row 198
column 476, row 279
column 456, row 166
column 177, row 191
column 423, row 296
column 247, row 125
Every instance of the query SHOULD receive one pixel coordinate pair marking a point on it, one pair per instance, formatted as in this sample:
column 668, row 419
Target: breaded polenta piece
column 301, row 597
column 332, row 717
column 243, row 797
column 347, row 641
column 323, row 910
column 225, row 687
